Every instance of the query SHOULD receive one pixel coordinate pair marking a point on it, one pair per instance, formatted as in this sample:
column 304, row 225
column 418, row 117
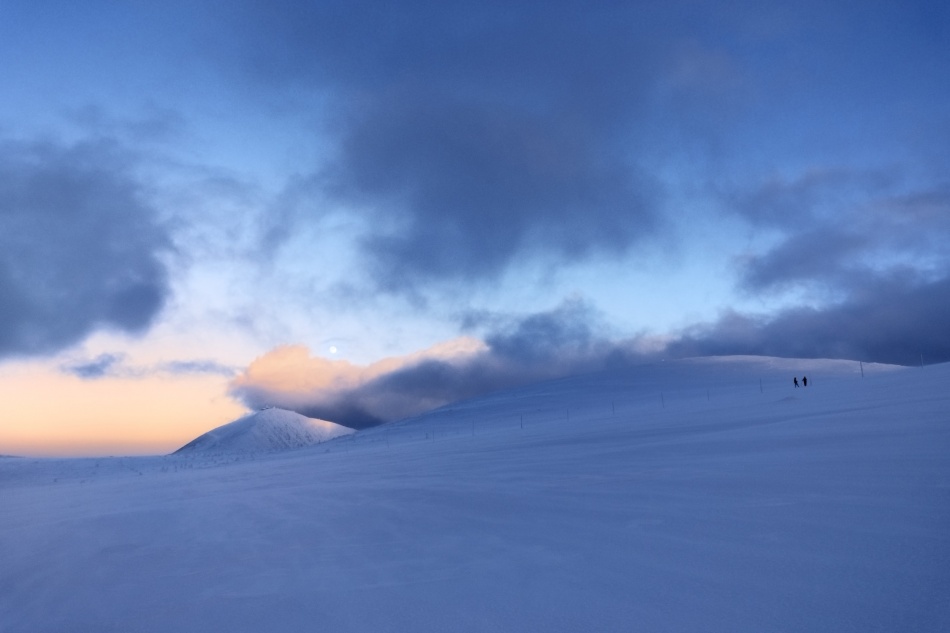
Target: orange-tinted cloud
column 289, row 376
column 561, row 342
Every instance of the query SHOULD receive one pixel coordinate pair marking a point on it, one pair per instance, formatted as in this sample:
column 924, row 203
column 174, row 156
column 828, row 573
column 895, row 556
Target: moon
column 333, row 349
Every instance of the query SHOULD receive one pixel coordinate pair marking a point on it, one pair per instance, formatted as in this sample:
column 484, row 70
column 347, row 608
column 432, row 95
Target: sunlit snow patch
column 264, row 432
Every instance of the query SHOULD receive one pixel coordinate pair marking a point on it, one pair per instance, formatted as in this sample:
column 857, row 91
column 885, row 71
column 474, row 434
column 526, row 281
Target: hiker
column 804, row 381
column 795, row 379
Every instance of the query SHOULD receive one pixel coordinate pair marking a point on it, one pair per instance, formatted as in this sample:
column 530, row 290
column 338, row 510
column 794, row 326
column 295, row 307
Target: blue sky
column 190, row 188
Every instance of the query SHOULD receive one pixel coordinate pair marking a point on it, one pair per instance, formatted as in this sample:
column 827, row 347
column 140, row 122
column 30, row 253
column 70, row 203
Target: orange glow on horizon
column 50, row 414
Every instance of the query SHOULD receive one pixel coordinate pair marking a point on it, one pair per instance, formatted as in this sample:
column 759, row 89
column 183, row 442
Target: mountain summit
column 265, row 431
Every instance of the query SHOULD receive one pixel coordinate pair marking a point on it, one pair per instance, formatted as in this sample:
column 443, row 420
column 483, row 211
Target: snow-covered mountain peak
column 265, row 431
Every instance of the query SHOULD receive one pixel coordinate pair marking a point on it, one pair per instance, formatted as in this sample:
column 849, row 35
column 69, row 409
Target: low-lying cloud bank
column 541, row 346
column 898, row 323
column 891, row 321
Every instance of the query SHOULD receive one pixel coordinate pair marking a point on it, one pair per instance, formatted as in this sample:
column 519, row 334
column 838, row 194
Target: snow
column 704, row 495
column 269, row 430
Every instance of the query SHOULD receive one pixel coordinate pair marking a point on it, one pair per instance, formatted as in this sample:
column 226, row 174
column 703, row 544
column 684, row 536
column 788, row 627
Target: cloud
column 99, row 367
column 111, row 365
column 894, row 322
column 339, row 391
column 867, row 253
column 518, row 351
column 571, row 332
column 817, row 194
column 840, row 230
column 80, row 246
column 472, row 137
column 192, row 367
column 824, row 255
column 462, row 190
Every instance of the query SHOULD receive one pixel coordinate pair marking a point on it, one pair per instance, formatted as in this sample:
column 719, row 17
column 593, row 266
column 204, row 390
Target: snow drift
column 264, row 432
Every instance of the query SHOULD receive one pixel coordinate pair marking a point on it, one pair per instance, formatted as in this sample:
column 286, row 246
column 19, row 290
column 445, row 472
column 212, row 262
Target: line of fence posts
column 613, row 407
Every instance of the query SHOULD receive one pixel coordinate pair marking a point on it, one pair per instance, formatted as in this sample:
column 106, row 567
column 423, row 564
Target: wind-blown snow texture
column 265, row 431
column 706, row 495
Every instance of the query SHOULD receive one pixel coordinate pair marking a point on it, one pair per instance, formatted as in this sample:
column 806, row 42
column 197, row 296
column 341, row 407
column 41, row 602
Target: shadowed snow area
column 263, row 432
column 702, row 495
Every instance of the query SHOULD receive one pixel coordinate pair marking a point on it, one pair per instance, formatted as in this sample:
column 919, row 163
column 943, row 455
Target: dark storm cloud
column 462, row 190
column 893, row 320
column 473, row 135
column 797, row 203
column 470, row 137
column 872, row 252
column 806, row 257
column 571, row 331
column 80, row 247
column 842, row 229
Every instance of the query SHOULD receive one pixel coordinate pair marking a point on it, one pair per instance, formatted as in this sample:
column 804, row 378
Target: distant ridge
column 265, row 431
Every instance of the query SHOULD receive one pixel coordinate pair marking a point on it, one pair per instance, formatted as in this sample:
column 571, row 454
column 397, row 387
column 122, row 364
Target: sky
column 361, row 210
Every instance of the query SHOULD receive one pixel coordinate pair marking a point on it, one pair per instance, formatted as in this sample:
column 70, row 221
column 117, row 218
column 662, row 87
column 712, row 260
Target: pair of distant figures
column 804, row 381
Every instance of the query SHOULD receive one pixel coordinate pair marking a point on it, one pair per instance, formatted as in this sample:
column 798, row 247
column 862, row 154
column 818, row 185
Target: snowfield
column 706, row 495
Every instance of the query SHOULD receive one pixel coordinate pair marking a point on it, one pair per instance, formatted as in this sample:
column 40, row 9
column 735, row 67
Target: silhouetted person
column 804, row 381
column 795, row 380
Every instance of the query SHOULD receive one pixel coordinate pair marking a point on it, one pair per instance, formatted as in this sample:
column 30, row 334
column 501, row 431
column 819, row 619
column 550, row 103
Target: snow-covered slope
column 263, row 432
column 693, row 496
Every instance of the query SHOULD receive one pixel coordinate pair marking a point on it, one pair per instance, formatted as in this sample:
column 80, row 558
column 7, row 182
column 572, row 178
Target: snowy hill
column 264, row 432
column 704, row 495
